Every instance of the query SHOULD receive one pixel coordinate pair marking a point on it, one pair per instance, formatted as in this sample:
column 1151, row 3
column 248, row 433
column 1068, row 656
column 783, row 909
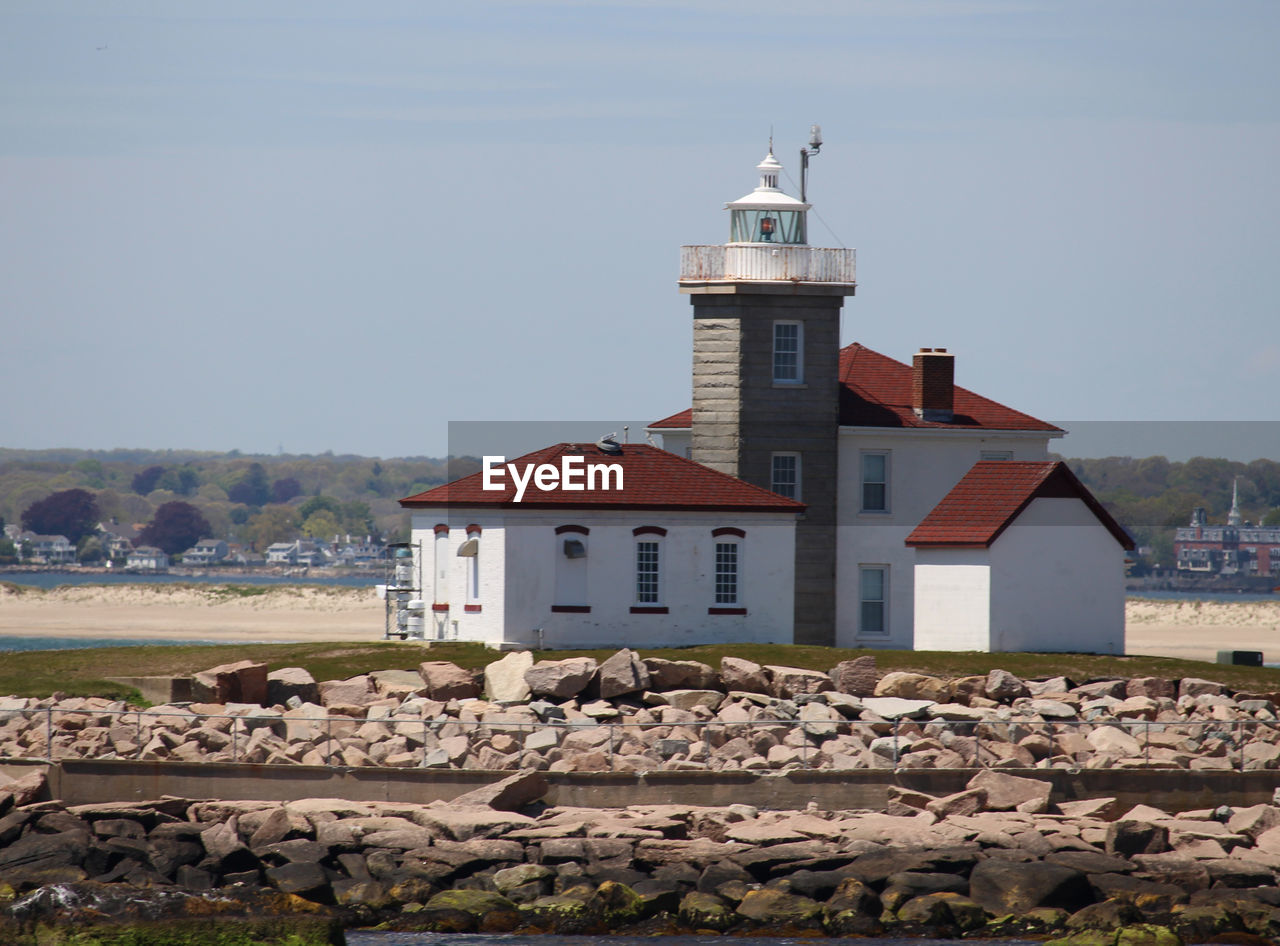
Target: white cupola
column 767, row 215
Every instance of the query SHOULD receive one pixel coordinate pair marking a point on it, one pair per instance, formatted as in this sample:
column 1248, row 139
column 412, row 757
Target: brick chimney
column 933, row 373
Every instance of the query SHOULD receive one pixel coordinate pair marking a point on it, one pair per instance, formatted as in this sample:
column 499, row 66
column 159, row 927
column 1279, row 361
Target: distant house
column 49, row 549
column 206, row 552
column 312, row 553
column 117, row 538
column 298, row 552
column 148, row 558
column 282, row 553
column 360, row 553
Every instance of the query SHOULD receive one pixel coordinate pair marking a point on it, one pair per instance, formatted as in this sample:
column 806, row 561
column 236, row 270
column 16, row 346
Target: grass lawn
column 85, row 672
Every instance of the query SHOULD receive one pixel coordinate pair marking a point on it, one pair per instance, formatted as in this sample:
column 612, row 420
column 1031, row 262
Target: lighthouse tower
column 766, row 349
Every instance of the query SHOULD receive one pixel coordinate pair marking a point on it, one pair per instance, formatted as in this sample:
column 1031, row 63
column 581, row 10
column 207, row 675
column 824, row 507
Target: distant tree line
column 1151, row 496
column 175, row 494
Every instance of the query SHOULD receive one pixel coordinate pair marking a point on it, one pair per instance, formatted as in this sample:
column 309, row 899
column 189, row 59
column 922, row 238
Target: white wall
column 1057, row 582
column 923, row 467
column 1052, row 581
column 486, row 624
column 518, row 594
column 953, row 599
column 675, row 441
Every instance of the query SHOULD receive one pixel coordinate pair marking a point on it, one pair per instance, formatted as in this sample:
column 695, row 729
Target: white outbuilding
column 1019, row 556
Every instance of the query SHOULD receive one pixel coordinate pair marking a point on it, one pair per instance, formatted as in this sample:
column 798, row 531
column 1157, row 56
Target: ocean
column 11, row 644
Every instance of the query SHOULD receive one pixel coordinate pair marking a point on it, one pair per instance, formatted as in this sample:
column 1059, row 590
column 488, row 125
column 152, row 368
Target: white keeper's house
column 812, row 494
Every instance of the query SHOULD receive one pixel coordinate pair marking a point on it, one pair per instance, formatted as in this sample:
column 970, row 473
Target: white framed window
column 440, row 573
column 875, row 481
column 784, row 474
column 726, row 573
column 470, row 551
column 996, row 455
column 648, row 571
column 571, row 556
column 873, row 600
column 788, row 352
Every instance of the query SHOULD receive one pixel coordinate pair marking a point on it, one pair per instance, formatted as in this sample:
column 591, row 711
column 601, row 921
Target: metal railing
column 766, row 745
column 771, row 263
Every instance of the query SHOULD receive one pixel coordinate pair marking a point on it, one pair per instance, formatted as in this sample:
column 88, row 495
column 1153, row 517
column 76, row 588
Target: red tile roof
column 993, row 494
column 652, row 479
column 679, row 420
column 875, row 391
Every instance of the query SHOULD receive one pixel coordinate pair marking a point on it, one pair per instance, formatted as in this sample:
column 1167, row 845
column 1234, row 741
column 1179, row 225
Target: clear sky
column 340, row 226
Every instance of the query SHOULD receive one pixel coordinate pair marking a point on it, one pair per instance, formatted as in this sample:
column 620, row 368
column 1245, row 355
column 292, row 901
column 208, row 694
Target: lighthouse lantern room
column 767, row 215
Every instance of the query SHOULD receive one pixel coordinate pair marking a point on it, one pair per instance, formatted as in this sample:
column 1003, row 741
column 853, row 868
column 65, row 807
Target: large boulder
column 560, row 679
column 771, row 907
column 509, row 794
column 680, row 675
column 1004, row 687
column 354, row 691
column 1127, row 838
column 1005, row 886
column 856, row 677
column 288, row 682
column 621, row 674
column 447, row 681
column 913, row 686
column 1006, row 792
column 504, row 680
column 744, row 675
column 242, row 682
column 788, row 682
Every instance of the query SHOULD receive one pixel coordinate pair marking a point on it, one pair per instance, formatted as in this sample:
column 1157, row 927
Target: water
column 370, row 938
column 14, row 644
column 48, row 580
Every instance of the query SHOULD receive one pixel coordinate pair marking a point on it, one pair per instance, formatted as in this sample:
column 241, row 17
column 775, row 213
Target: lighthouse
column 766, row 348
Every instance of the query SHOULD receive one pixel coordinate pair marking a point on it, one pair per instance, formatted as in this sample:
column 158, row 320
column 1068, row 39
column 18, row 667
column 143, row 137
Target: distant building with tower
column 822, row 495
column 1237, row 549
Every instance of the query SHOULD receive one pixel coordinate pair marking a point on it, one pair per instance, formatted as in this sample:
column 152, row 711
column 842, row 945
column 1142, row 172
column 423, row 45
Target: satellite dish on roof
column 609, row 444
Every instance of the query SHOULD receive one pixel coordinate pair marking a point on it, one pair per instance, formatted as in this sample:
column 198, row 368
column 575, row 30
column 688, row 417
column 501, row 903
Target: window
column 875, row 482
column 873, row 581
column 571, row 569
column 996, row 455
column 440, row 574
column 726, row 573
column 647, row 573
column 784, row 477
column 788, row 364
column 470, row 550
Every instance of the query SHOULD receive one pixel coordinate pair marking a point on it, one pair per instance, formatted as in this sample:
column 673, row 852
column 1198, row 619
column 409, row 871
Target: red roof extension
column 651, row 479
column 875, row 391
column 993, row 494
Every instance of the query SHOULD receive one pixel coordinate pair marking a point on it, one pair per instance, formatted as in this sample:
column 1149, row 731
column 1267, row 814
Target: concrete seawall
column 78, row 782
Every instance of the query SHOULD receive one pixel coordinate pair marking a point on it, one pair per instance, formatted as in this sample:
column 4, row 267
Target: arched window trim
column 580, row 530
column 649, row 530
column 728, row 530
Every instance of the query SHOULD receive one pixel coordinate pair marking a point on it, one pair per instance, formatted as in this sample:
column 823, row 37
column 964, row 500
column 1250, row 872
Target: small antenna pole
column 815, row 145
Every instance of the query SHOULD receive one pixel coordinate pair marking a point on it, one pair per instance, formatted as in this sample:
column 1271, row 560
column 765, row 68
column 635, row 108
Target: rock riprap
column 1008, row 862
column 629, row 714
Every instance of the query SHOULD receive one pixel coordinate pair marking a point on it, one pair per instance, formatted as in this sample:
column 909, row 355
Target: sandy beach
column 187, row 612
column 1194, row 630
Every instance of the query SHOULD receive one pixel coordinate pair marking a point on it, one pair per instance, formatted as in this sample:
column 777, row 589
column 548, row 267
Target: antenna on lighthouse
column 815, row 145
